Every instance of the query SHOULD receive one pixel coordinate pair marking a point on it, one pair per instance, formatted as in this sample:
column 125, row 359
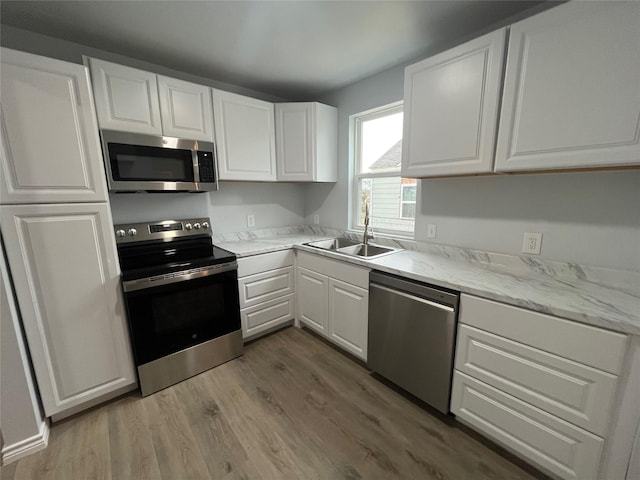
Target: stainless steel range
column 182, row 301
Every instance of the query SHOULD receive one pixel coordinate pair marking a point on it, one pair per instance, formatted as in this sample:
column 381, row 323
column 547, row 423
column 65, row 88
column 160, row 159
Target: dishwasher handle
column 414, row 298
column 434, row 294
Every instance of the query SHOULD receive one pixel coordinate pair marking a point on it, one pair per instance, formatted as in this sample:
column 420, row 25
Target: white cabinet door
column 451, row 109
column 312, row 292
column 245, row 136
column 65, row 269
column 185, row 109
column 572, row 89
column 295, row 142
column 306, row 142
column 349, row 317
column 126, row 98
column 50, row 148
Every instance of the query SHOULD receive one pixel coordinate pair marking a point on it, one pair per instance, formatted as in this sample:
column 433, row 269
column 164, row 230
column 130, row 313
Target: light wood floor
column 291, row 408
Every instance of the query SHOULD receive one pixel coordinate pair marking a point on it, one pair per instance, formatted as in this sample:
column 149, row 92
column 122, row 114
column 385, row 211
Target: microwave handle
column 196, row 165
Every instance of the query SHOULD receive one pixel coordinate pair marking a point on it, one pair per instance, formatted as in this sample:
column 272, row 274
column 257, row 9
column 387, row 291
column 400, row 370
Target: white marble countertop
column 563, row 290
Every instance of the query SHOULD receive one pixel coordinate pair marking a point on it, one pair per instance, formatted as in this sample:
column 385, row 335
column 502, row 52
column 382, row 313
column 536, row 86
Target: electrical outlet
column 431, row 230
column 316, row 219
column 251, row 220
column 532, row 243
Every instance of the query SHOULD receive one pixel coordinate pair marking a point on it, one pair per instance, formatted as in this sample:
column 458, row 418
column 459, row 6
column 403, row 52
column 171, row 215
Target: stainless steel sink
column 353, row 248
column 362, row 250
column 333, row 244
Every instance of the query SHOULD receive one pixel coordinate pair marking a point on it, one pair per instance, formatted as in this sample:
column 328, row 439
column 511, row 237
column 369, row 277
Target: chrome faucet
column 368, row 235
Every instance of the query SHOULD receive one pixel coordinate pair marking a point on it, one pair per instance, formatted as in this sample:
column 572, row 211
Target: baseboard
column 11, row 453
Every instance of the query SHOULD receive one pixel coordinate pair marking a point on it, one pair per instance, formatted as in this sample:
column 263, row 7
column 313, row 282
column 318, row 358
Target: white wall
column 273, row 204
column 590, row 218
column 20, row 418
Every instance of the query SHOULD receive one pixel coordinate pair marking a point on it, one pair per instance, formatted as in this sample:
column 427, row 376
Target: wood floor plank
column 132, row 451
column 176, row 450
column 256, row 431
column 291, row 408
column 220, row 448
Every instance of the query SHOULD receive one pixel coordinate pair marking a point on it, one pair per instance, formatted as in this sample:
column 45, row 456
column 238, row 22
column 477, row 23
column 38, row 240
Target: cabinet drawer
column 585, row 344
column 340, row 270
column 265, row 262
column 579, row 394
column 261, row 287
column 267, row 315
column 549, row 442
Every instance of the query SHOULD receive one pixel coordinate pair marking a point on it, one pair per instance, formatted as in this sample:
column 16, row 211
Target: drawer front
column 547, row 441
column 267, row 315
column 265, row 262
column 261, row 287
column 340, row 270
column 585, row 344
column 574, row 392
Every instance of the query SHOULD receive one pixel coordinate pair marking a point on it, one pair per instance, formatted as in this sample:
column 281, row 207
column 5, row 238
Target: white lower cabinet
column 65, row 271
column 266, row 288
column 333, row 299
column 547, row 441
column 541, row 386
column 348, row 316
column 312, row 290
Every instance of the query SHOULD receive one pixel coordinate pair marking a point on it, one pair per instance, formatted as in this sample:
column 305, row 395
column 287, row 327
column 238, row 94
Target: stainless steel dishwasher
column 412, row 329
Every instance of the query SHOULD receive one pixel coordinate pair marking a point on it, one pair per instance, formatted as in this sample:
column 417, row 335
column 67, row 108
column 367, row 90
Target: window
column 408, row 198
column 377, row 181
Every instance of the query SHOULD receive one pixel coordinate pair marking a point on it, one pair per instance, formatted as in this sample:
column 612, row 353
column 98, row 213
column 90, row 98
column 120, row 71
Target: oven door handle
column 176, row 277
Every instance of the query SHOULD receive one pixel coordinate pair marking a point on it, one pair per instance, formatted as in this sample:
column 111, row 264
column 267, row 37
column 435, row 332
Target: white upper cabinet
column 245, row 137
column 126, row 98
column 306, row 142
column 50, row 150
column 572, row 89
column 451, row 104
column 185, row 109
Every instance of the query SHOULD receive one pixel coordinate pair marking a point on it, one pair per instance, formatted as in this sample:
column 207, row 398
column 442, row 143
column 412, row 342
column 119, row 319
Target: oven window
column 134, row 162
column 170, row 318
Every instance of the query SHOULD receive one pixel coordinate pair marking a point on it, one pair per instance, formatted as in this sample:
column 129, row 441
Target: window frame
column 403, row 187
column 355, row 192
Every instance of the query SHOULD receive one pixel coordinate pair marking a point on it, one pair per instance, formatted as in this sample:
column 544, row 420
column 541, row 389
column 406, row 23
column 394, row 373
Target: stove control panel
column 161, row 230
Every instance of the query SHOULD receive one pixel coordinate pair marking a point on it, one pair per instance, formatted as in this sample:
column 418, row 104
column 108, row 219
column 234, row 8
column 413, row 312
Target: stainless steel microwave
column 137, row 162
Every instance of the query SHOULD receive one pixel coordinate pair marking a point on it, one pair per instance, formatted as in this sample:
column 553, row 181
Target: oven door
column 182, row 312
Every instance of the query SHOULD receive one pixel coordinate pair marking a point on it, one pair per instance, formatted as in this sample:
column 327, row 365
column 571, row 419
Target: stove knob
column 133, row 232
column 205, row 225
column 196, row 226
column 188, row 226
column 120, row 233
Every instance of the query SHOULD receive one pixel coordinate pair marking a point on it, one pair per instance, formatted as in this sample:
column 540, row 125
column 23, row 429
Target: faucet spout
column 368, row 235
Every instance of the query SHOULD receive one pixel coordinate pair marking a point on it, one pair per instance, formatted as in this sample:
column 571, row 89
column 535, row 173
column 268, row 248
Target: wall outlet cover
column 316, row 219
column 431, row 230
column 532, row 243
column 251, row 220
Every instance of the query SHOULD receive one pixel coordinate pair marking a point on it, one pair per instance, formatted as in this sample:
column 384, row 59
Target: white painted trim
column 11, row 453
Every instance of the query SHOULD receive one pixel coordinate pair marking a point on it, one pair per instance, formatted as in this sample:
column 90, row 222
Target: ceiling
column 291, row 49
